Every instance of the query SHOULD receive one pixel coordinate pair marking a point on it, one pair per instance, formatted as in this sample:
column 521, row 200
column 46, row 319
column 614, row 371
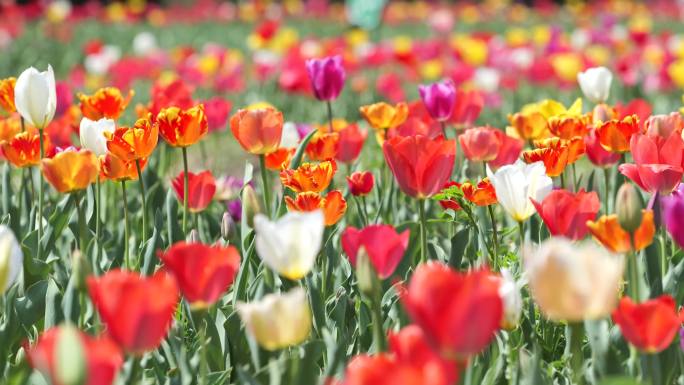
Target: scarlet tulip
column 360, row 183
column 566, row 213
column 70, row 170
column 23, row 150
column 182, row 128
column 309, row 176
column 509, row 150
column 350, row 143
column 134, row 143
column 257, row 130
column 201, row 189
column 657, row 163
column 480, row 144
column 467, row 107
column 384, row 246
column 333, row 204
column 136, row 311
column 217, row 110
column 279, row 159
column 459, row 312
column 323, row 145
column 420, row 165
column 481, row 194
column 650, row 326
column 106, row 103
column 203, row 272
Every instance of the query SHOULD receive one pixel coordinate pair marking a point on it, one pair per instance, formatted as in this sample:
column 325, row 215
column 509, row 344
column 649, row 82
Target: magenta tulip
column 439, row 99
column 327, row 77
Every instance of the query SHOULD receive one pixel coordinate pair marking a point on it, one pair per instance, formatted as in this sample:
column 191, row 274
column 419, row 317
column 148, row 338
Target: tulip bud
column 595, row 83
column 11, row 258
column 71, row 361
column 628, row 207
column 365, row 273
column 227, row 226
column 602, row 113
column 193, row 237
column 79, row 269
column 250, row 205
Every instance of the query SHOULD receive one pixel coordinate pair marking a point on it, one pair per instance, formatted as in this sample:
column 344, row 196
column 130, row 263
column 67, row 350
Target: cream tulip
column 92, row 134
column 573, row 281
column 278, row 320
column 517, row 184
column 290, row 244
column 35, row 96
column 509, row 291
column 595, row 83
column 11, row 258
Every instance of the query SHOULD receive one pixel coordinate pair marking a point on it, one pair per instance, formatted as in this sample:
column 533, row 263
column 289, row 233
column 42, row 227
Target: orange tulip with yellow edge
column 279, row 159
column 257, row 130
column 182, row 128
column 333, row 205
column 133, row 143
column 481, row 194
column 106, row 102
column 23, row 150
column 70, row 170
column 382, row 116
column 7, row 94
column 527, row 126
column 555, row 153
column 115, row 169
column 608, row 232
column 309, row 177
column 323, row 145
column 615, row 135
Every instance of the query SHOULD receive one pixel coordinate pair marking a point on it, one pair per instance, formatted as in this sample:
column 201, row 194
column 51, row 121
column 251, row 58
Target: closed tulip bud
column 628, row 206
column 227, row 226
column 71, row 365
column 250, row 205
column 35, row 96
column 11, row 258
column 79, row 269
column 602, row 113
column 595, row 83
column 365, row 273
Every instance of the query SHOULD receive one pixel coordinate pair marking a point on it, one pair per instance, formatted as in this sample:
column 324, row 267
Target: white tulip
column 278, row 320
column 36, row 97
column 509, row 291
column 595, row 83
column 573, row 281
column 290, row 136
column 290, row 244
column 92, row 134
column 11, row 258
column 487, row 79
column 144, row 43
column 516, row 184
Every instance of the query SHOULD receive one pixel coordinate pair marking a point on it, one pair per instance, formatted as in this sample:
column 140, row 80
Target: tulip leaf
column 173, row 230
column 652, row 264
column 149, row 256
column 619, row 381
column 53, row 309
column 30, row 308
column 297, row 158
column 459, row 242
column 57, row 223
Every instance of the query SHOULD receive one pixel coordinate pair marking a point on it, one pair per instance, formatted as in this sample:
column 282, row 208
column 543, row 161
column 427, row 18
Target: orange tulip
column 113, row 168
column 9, row 127
column 182, row 128
column 607, row 231
column 7, row 94
column 106, row 102
column 23, row 150
column 323, row 145
column 555, row 153
column 527, row 126
column 279, row 159
column 615, row 135
column 482, row 194
column 258, row 130
column 309, row 177
column 568, row 127
column 70, row 170
column 382, row 116
column 133, row 143
column 333, row 205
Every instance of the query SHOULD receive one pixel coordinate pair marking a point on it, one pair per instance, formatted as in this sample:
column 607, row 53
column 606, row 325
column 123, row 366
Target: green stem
column 40, row 197
column 98, row 209
column 495, row 235
column 606, row 177
column 574, row 335
column 423, row 232
column 185, row 189
column 562, row 178
column 144, row 202
column 632, row 267
column 203, row 352
column 442, row 124
column 330, row 116
column 521, row 229
column 127, row 261
column 376, row 304
column 574, row 177
column 265, row 185
column 80, row 197
column 136, row 371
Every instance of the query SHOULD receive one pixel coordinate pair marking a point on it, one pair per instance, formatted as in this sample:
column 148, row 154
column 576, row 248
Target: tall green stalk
column 423, row 232
column 185, row 190
column 40, row 197
column 98, row 209
column 144, row 203
column 265, row 185
column 127, row 261
column 330, row 117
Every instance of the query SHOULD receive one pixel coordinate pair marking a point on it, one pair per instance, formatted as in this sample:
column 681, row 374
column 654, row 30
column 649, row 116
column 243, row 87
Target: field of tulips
column 365, row 192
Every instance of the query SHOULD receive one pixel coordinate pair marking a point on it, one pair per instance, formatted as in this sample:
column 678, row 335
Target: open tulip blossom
column 357, row 192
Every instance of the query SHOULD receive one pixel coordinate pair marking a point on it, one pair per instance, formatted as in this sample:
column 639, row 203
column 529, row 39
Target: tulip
column 99, row 358
column 323, row 145
column 382, row 116
column 290, row 244
column 11, row 258
column 333, row 205
column 360, row 183
column 278, row 320
column 509, row 290
column 467, row 107
column 615, row 135
column 509, row 150
column 92, row 134
column 451, row 203
column 249, row 204
column 327, row 77
column 607, row 231
column 279, row 159
column 673, row 210
column 258, row 130
column 566, row 213
column 555, row 153
column 664, row 125
column 439, row 99
column 573, row 281
column 517, row 185
column 651, row 325
column 309, row 177
column 9, row 127
column 481, row 194
column 133, row 143
column 35, row 97
column 70, row 170
column 217, row 110
column 629, row 207
column 657, row 166
column 105, row 103
column 595, row 83
column 201, row 189
column 568, row 126
column 383, row 245
column 596, row 153
column 7, row 94
column 420, row 165
column 203, row 272
column 113, row 168
column 182, row 128
column 23, row 150
column 459, row 312
column 350, row 143
column 136, row 311
column 480, row 144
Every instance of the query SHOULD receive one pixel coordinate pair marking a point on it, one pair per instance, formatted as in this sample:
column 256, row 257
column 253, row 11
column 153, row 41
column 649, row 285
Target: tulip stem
column 495, row 236
column 203, row 351
column 376, row 314
column 40, row 198
column 127, row 261
column 423, row 232
column 144, row 203
column 330, row 116
column 98, row 209
column 521, row 229
column 264, row 184
column 574, row 335
column 185, row 190
column 79, row 198
column 442, row 124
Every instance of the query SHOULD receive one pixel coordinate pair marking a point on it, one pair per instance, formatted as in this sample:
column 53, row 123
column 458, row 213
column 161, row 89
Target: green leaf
column 297, row 158
column 619, row 381
column 30, row 308
column 173, row 230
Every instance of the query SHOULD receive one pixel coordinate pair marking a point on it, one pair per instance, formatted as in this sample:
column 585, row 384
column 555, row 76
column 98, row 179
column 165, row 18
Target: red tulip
column 459, row 312
column 650, row 326
column 384, row 246
column 596, row 153
column 137, row 311
column 566, row 214
column 360, row 183
column 201, row 189
column 350, row 143
column 103, row 358
column 217, row 110
column 480, row 144
column 420, row 165
column 203, row 272
column 468, row 106
column 657, row 163
column 509, row 150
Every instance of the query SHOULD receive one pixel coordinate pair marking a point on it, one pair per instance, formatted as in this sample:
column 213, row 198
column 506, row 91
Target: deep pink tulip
column 439, row 99
column 327, row 77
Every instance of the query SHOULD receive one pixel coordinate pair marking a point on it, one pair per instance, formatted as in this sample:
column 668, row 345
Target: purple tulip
column 327, row 77
column 672, row 207
column 439, row 99
column 235, row 210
